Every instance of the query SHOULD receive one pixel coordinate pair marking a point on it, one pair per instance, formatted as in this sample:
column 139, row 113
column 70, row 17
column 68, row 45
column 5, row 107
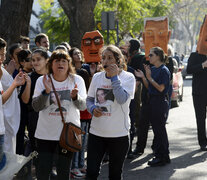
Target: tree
column 190, row 14
column 129, row 13
column 57, row 26
column 80, row 14
column 14, row 19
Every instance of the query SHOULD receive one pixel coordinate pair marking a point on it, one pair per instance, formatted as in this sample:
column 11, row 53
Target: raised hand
column 99, row 67
column 74, row 92
column 204, row 64
column 148, row 71
column 10, row 67
column 112, row 70
column 139, row 73
column 93, row 67
column 27, row 78
column 47, row 83
column 19, row 79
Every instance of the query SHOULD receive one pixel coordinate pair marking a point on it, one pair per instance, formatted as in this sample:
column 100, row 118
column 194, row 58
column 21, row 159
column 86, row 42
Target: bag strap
column 58, row 100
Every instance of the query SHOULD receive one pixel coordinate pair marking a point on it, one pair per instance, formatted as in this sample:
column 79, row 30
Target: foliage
column 129, row 13
column 56, row 25
column 46, row 4
column 190, row 14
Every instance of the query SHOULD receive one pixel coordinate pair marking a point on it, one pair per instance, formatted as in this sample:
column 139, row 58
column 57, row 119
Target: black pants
column 46, row 152
column 158, row 115
column 117, row 149
column 21, row 134
column 200, row 103
column 143, row 127
column 132, row 115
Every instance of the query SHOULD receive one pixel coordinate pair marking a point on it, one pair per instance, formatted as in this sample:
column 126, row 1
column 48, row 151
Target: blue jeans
column 78, row 157
column 1, row 147
column 2, row 155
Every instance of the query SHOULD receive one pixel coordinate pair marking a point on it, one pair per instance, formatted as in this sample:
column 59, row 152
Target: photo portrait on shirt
column 104, row 99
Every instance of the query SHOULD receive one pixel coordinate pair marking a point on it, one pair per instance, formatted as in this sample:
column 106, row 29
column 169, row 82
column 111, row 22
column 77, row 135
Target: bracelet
column 152, row 80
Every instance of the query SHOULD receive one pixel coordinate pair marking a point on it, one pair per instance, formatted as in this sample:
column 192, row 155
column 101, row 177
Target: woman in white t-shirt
column 109, row 95
column 72, row 94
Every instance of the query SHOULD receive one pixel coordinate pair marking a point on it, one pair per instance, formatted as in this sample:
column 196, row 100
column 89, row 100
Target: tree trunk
column 14, row 19
column 80, row 14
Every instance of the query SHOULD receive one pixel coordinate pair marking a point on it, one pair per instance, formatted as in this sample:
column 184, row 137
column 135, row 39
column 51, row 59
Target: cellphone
column 105, row 66
column 104, row 109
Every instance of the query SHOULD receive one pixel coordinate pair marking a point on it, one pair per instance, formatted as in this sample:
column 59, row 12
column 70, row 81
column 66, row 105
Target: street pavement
column 187, row 161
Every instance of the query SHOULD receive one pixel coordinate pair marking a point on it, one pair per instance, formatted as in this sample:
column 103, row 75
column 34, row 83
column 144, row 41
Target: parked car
column 184, row 64
column 177, row 92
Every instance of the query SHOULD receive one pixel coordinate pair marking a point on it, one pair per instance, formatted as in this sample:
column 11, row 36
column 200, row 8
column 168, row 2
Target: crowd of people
column 111, row 106
column 113, row 94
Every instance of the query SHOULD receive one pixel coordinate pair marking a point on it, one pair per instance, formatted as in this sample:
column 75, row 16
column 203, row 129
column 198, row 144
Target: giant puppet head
column 202, row 40
column 91, row 43
column 156, row 33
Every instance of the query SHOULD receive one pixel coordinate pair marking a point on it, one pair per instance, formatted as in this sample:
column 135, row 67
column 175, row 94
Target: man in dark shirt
column 177, row 58
column 135, row 62
column 197, row 65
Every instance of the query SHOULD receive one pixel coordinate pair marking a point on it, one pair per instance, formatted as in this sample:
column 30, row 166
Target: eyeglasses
column 150, row 55
column 88, row 41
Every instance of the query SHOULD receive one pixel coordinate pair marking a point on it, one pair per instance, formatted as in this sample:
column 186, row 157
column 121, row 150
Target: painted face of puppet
column 202, row 41
column 156, row 34
column 91, row 43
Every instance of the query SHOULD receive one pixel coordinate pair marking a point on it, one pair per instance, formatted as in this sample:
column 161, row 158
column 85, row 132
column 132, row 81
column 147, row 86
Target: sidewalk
column 187, row 161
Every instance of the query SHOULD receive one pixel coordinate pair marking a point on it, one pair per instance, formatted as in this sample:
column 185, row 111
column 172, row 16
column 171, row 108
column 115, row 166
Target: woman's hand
column 97, row 112
column 19, row 79
column 99, row 67
column 148, row 71
column 74, row 93
column 139, row 73
column 112, row 70
column 10, row 67
column 47, row 83
column 27, row 78
column 93, row 68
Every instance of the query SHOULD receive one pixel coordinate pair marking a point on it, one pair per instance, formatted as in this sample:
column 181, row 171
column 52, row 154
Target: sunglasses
column 88, row 41
column 150, row 55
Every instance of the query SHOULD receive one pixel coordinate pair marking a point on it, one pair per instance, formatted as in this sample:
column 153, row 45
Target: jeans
column 78, row 157
column 1, row 147
column 116, row 147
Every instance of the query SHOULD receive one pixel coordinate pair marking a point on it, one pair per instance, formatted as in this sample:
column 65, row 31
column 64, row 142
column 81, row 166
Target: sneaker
column 130, row 156
column 137, row 152
column 75, row 173
column 83, row 170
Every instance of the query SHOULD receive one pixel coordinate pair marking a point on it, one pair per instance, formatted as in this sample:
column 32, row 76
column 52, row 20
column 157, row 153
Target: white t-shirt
column 11, row 107
column 115, row 121
column 2, row 127
column 49, row 125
